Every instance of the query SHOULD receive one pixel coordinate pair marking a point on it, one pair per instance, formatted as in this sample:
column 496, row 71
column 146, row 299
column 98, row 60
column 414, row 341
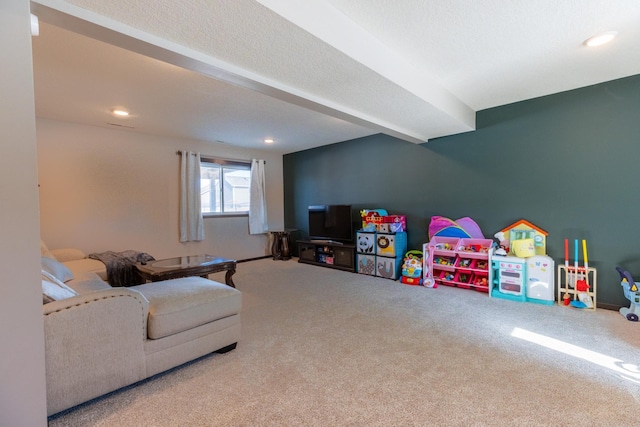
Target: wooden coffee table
column 192, row 265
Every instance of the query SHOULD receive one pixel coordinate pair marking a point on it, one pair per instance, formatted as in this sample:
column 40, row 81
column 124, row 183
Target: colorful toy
column 501, row 244
column 445, row 227
column 412, row 268
column 443, row 260
column 428, row 280
column 631, row 291
column 372, row 217
column 577, row 285
column 396, row 223
column 540, row 287
column 380, row 220
column 575, row 273
column 480, row 281
column 584, row 300
column 523, row 239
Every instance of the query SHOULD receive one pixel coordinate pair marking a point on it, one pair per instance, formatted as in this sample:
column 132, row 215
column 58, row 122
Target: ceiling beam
column 90, row 24
column 323, row 20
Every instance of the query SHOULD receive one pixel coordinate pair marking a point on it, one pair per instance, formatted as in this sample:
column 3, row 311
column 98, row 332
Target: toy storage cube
column 463, row 279
column 391, row 244
column 480, row 282
column 366, row 264
column 444, row 245
column 465, row 263
column 444, row 261
column 446, row 277
column 366, row 242
column 474, row 248
column 387, row 267
column 481, row 264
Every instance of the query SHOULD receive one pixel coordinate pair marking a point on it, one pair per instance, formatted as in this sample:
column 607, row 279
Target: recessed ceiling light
column 120, row 113
column 269, row 141
column 601, row 39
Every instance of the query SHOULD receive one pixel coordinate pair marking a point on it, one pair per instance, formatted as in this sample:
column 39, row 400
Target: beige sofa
column 99, row 339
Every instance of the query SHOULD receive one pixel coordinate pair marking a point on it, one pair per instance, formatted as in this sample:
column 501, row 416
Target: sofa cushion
column 56, row 268
column 181, row 304
column 53, row 289
column 68, row 254
column 87, row 282
column 86, row 265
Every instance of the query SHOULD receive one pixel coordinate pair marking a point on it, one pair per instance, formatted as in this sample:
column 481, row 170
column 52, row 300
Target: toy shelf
column 463, row 263
column 567, row 279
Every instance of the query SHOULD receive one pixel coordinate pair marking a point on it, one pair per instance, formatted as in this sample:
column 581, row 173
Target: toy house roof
column 527, row 224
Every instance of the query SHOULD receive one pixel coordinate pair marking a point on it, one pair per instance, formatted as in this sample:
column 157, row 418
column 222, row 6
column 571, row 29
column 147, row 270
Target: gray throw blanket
column 121, row 270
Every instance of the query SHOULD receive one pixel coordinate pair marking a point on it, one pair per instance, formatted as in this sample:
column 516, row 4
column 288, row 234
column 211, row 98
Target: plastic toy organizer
column 460, row 262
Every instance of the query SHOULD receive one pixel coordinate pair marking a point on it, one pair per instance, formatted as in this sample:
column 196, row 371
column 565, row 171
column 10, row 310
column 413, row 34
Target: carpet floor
column 322, row 347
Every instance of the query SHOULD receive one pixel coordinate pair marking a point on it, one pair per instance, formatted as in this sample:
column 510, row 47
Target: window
column 224, row 186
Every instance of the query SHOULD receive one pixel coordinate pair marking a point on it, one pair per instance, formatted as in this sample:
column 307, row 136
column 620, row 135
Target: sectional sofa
column 99, row 338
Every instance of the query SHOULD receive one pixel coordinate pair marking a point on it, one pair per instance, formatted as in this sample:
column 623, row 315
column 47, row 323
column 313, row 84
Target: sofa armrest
column 67, row 254
column 93, row 345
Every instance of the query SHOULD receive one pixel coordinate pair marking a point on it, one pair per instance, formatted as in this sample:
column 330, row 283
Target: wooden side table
column 281, row 245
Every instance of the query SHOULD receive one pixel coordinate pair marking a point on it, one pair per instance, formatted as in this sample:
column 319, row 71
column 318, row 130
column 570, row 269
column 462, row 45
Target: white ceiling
column 316, row 72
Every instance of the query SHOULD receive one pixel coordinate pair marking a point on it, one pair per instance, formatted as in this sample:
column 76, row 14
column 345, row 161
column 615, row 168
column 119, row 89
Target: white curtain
column 191, row 224
column 258, row 199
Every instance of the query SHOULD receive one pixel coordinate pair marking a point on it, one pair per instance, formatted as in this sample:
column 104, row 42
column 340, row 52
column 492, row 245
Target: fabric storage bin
column 366, row 242
column 391, row 244
column 366, row 264
column 388, row 267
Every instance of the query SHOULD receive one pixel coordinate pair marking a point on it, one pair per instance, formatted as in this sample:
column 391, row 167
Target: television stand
column 327, row 253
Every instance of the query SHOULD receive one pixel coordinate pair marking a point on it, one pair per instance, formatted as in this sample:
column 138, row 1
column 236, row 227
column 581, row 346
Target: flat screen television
column 331, row 222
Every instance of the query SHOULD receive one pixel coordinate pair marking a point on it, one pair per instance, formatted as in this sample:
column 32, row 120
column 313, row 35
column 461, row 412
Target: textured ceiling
column 81, row 80
column 239, row 71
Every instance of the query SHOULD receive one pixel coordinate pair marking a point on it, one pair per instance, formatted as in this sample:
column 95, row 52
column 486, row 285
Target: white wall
column 22, row 372
column 108, row 189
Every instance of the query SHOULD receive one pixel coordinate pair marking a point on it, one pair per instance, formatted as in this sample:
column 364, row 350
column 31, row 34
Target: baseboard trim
column 606, row 306
column 252, row 259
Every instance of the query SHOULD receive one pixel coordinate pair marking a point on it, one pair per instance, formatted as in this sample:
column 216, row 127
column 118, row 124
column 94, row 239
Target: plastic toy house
column 526, row 239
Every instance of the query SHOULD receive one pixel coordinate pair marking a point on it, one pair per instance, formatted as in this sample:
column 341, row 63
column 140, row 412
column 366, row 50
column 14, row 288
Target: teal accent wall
column 568, row 162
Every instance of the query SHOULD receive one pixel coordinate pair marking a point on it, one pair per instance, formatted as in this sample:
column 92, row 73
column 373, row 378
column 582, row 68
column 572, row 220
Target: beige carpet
column 326, row 348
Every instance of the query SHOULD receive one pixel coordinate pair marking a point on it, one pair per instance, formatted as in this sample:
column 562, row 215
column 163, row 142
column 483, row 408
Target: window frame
column 225, row 163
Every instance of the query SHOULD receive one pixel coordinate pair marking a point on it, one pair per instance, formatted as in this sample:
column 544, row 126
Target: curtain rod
column 179, row 152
